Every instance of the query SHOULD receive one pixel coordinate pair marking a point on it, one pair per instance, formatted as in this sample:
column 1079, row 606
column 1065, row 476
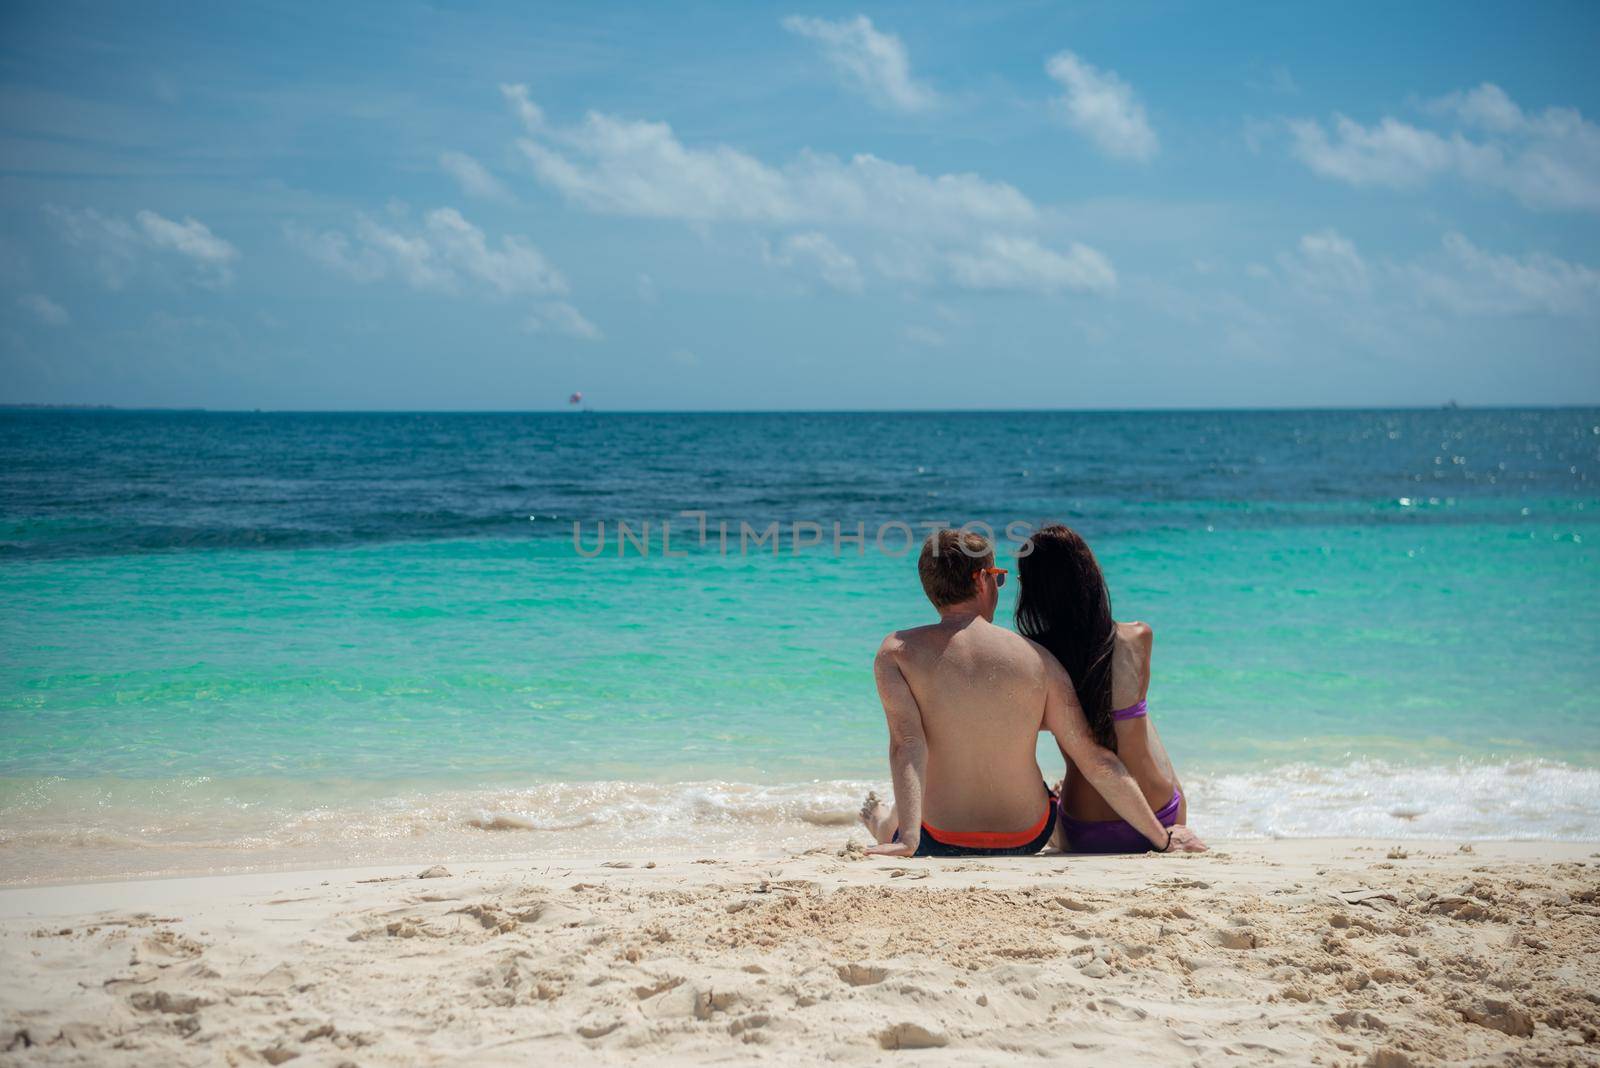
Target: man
column 965, row 701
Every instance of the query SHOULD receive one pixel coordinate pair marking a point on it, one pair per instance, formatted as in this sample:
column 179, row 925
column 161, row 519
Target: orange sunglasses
column 999, row 574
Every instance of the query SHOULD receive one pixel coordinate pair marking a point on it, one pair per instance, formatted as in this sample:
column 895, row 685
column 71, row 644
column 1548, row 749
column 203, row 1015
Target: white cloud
column 1547, row 160
column 868, row 60
column 121, row 247
column 562, row 318
column 1327, row 262
column 191, row 238
column 514, row 267
column 628, row 167
column 1476, row 282
column 908, row 227
column 44, row 309
column 1022, row 263
column 444, row 253
column 473, row 177
column 1390, row 153
column 1487, row 106
column 334, row 250
column 517, row 96
column 1463, row 279
column 411, row 256
column 1102, row 107
column 918, row 334
column 836, row 267
column 447, row 253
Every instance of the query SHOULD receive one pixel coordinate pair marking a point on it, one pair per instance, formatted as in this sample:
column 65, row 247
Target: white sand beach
column 1304, row 952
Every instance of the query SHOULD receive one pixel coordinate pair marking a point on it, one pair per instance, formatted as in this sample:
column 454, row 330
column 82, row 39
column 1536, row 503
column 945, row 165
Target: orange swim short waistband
column 989, row 839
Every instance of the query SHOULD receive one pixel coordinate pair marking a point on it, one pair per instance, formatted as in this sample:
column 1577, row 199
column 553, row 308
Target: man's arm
column 1063, row 717
column 908, row 749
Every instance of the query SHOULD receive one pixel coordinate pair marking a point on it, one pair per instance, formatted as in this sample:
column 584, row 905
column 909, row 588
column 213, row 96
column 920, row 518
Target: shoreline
column 68, row 831
column 1329, row 950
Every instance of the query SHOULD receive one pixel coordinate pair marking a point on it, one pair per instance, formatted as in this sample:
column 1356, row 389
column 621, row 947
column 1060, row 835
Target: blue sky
column 809, row 206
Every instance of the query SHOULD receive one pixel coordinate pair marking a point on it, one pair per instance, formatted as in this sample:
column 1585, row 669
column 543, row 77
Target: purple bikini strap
column 1133, row 711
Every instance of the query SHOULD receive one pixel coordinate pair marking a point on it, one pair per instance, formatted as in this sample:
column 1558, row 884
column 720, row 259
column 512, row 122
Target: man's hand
column 898, row 849
column 1184, row 841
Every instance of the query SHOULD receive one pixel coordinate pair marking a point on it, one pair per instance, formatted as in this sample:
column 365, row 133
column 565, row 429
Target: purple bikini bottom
column 1115, row 836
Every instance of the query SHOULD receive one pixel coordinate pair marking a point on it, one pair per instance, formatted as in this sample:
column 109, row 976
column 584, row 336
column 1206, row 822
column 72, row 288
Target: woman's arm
column 1138, row 741
column 908, row 749
column 1159, row 751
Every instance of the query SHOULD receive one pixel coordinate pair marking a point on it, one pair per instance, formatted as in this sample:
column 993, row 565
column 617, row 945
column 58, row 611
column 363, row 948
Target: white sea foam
column 65, row 829
column 1372, row 799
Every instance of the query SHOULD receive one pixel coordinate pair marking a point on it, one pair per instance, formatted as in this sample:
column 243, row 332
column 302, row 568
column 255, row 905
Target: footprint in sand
column 166, row 947
column 409, row 928
column 500, row 921
column 862, row 974
column 659, row 986
column 166, row 1002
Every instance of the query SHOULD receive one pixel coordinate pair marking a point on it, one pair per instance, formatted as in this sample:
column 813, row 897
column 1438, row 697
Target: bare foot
column 1058, row 834
column 878, row 818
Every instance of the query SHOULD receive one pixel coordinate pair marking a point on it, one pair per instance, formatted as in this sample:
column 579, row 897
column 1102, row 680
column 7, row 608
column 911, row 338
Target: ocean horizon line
column 563, row 410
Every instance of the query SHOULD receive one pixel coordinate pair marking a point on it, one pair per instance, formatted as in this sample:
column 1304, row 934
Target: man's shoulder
column 906, row 638
column 994, row 640
column 1009, row 640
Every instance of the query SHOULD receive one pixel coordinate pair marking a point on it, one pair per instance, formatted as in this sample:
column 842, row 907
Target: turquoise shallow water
column 341, row 650
column 497, row 661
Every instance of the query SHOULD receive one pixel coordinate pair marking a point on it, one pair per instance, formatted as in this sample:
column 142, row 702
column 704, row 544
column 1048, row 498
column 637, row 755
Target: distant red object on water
column 576, row 398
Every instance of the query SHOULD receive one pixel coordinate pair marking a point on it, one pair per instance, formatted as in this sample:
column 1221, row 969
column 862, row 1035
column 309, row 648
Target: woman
column 1063, row 605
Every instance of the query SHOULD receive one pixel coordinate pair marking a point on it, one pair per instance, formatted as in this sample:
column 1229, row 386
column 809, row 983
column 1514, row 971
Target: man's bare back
column 980, row 690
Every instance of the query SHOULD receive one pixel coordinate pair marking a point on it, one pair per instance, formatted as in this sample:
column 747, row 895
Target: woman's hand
column 1184, row 841
column 894, row 849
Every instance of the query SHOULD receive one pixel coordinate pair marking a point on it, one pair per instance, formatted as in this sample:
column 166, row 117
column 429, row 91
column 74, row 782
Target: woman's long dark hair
column 1063, row 605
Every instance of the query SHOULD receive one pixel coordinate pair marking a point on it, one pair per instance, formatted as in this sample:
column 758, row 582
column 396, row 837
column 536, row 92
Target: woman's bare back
column 1138, row 745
